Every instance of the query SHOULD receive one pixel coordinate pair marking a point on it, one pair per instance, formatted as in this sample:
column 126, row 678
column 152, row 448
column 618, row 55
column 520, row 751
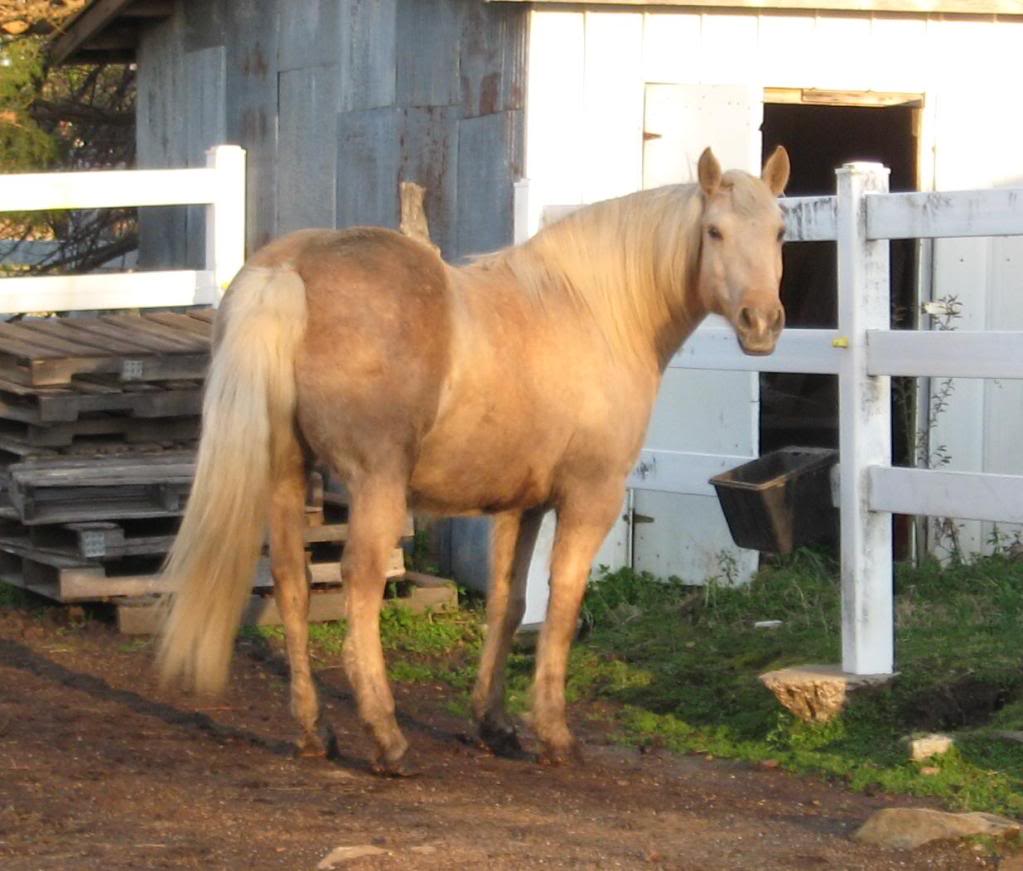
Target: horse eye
column 714, row 232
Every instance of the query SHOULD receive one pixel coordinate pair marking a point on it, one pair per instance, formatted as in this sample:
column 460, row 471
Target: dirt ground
column 99, row 769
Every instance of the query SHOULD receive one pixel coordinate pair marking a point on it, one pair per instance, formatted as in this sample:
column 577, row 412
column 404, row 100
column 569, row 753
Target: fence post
column 864, row 428
column 225, row 216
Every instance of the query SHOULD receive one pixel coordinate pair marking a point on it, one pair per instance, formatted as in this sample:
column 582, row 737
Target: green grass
column 676, row 666
column 692, row 660
column 14, row 597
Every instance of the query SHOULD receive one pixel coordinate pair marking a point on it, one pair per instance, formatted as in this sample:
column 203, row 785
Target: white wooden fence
column 864, row 354
column 220, row 186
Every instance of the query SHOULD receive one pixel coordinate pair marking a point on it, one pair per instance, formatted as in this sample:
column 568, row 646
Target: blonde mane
column 624, row 262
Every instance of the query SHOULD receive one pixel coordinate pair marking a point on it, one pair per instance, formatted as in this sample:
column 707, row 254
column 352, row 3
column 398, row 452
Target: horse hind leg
column 291, row 592
column 514, row 538
column 583, row 524
column 376, row 517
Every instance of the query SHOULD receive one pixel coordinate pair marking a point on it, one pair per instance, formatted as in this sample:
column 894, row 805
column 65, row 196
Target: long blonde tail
column 248, row 417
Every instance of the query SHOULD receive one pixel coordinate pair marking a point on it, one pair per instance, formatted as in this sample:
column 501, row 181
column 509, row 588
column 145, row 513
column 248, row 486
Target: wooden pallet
column 64, row 579
column 151, row 346
column 96, row 431
column 39, row 406
column 82, row 489
column 417, row 592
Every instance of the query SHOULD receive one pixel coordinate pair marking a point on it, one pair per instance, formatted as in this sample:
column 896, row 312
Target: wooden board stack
column 99, row 418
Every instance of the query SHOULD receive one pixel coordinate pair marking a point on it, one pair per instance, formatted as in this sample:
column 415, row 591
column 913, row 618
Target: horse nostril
column 778, row 321
column 747, row 320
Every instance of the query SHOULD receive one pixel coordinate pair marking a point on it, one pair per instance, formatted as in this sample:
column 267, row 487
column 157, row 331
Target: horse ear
column 776, row 171
column 708, row 171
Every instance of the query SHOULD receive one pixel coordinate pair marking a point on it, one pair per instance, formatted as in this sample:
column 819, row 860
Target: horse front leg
column 291, row 592
column 584, row 520
column 376, row 517
column 513, row 540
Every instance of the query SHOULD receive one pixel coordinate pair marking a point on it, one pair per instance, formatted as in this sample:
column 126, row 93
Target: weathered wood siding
column 336, row 101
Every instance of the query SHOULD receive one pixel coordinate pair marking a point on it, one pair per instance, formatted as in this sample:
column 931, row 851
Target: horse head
column 740, row 252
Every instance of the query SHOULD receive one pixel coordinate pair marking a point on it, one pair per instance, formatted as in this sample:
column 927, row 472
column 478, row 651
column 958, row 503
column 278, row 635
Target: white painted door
column 697, row 411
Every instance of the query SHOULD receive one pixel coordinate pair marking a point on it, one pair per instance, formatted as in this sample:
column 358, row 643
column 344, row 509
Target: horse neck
column 631, row 265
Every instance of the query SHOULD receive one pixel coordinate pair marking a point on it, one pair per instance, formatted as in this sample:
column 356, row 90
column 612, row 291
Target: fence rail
column 220, row 186
column 864, row 353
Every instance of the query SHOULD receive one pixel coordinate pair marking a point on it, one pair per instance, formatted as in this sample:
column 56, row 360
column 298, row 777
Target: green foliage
column 686, row 661
column 24, row 145
column 14, row 597
column 432, row 634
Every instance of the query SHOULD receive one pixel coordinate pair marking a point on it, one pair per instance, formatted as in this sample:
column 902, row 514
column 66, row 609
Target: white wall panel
column 672, row 50
column 612, row 161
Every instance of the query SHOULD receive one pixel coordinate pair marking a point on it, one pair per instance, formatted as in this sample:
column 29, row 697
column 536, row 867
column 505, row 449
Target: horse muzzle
column 758, row 328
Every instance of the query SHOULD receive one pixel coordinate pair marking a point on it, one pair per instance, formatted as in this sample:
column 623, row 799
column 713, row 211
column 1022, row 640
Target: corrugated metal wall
column 336, row 101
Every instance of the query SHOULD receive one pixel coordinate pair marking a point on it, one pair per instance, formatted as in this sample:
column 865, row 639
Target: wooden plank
column 938, row 493
column 308, row 36
column 155, row 336
column 49, row 405
column 492, row 63
column 809, row 219
column 168, row 467
column 427, row 72
column 429, row 157
column 918, row 7
column 14, row 343
column 167, row 367
column 368, row 167
column 305, row 181
column 206, row 315
column 945, row 214
column 192, row 325
column 488, row 164
column 143, row 617
column 367, row 56
column 798, row 350
column 84, row 26
column 57, row 293
column 85, row 584
column 864, row 431
column 106, row 189
column 946, row 353
column 122, row 340
column 86, row 331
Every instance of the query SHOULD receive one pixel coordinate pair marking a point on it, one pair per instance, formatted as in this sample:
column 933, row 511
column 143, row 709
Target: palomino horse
column 521, row 382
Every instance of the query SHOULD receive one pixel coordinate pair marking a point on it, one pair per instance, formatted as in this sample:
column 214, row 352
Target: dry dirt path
column 99, row 769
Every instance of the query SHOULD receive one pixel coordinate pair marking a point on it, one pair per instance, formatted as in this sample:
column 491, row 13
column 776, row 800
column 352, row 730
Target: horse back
column 376, row 347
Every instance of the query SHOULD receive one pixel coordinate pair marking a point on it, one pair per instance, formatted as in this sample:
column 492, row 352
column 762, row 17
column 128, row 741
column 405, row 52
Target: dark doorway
column 803, row 409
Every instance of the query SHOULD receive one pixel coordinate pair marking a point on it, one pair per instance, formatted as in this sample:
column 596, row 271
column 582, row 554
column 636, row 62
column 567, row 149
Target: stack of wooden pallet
column 98, row 424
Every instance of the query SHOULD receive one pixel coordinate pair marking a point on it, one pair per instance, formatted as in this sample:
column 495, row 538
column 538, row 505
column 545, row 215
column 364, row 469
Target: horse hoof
column 501, row 741
column 322, row 745
column 568, row 754
column 398, row 769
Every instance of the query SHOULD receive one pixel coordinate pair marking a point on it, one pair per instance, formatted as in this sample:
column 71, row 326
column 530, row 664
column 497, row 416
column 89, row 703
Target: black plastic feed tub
column 781, row 501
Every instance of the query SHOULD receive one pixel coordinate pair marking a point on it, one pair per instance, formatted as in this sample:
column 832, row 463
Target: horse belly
column 481, row 471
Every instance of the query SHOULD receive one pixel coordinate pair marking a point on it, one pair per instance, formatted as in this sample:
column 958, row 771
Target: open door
column 700, row 411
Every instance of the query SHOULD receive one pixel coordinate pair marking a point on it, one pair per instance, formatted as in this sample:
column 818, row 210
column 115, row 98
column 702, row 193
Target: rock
column 340, row 855
column 817, row 693
column 908, row 828
column 767, row 624
column 927, row 746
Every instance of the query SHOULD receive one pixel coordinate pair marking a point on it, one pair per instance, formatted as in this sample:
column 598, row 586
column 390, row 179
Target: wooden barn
column 503, row 109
